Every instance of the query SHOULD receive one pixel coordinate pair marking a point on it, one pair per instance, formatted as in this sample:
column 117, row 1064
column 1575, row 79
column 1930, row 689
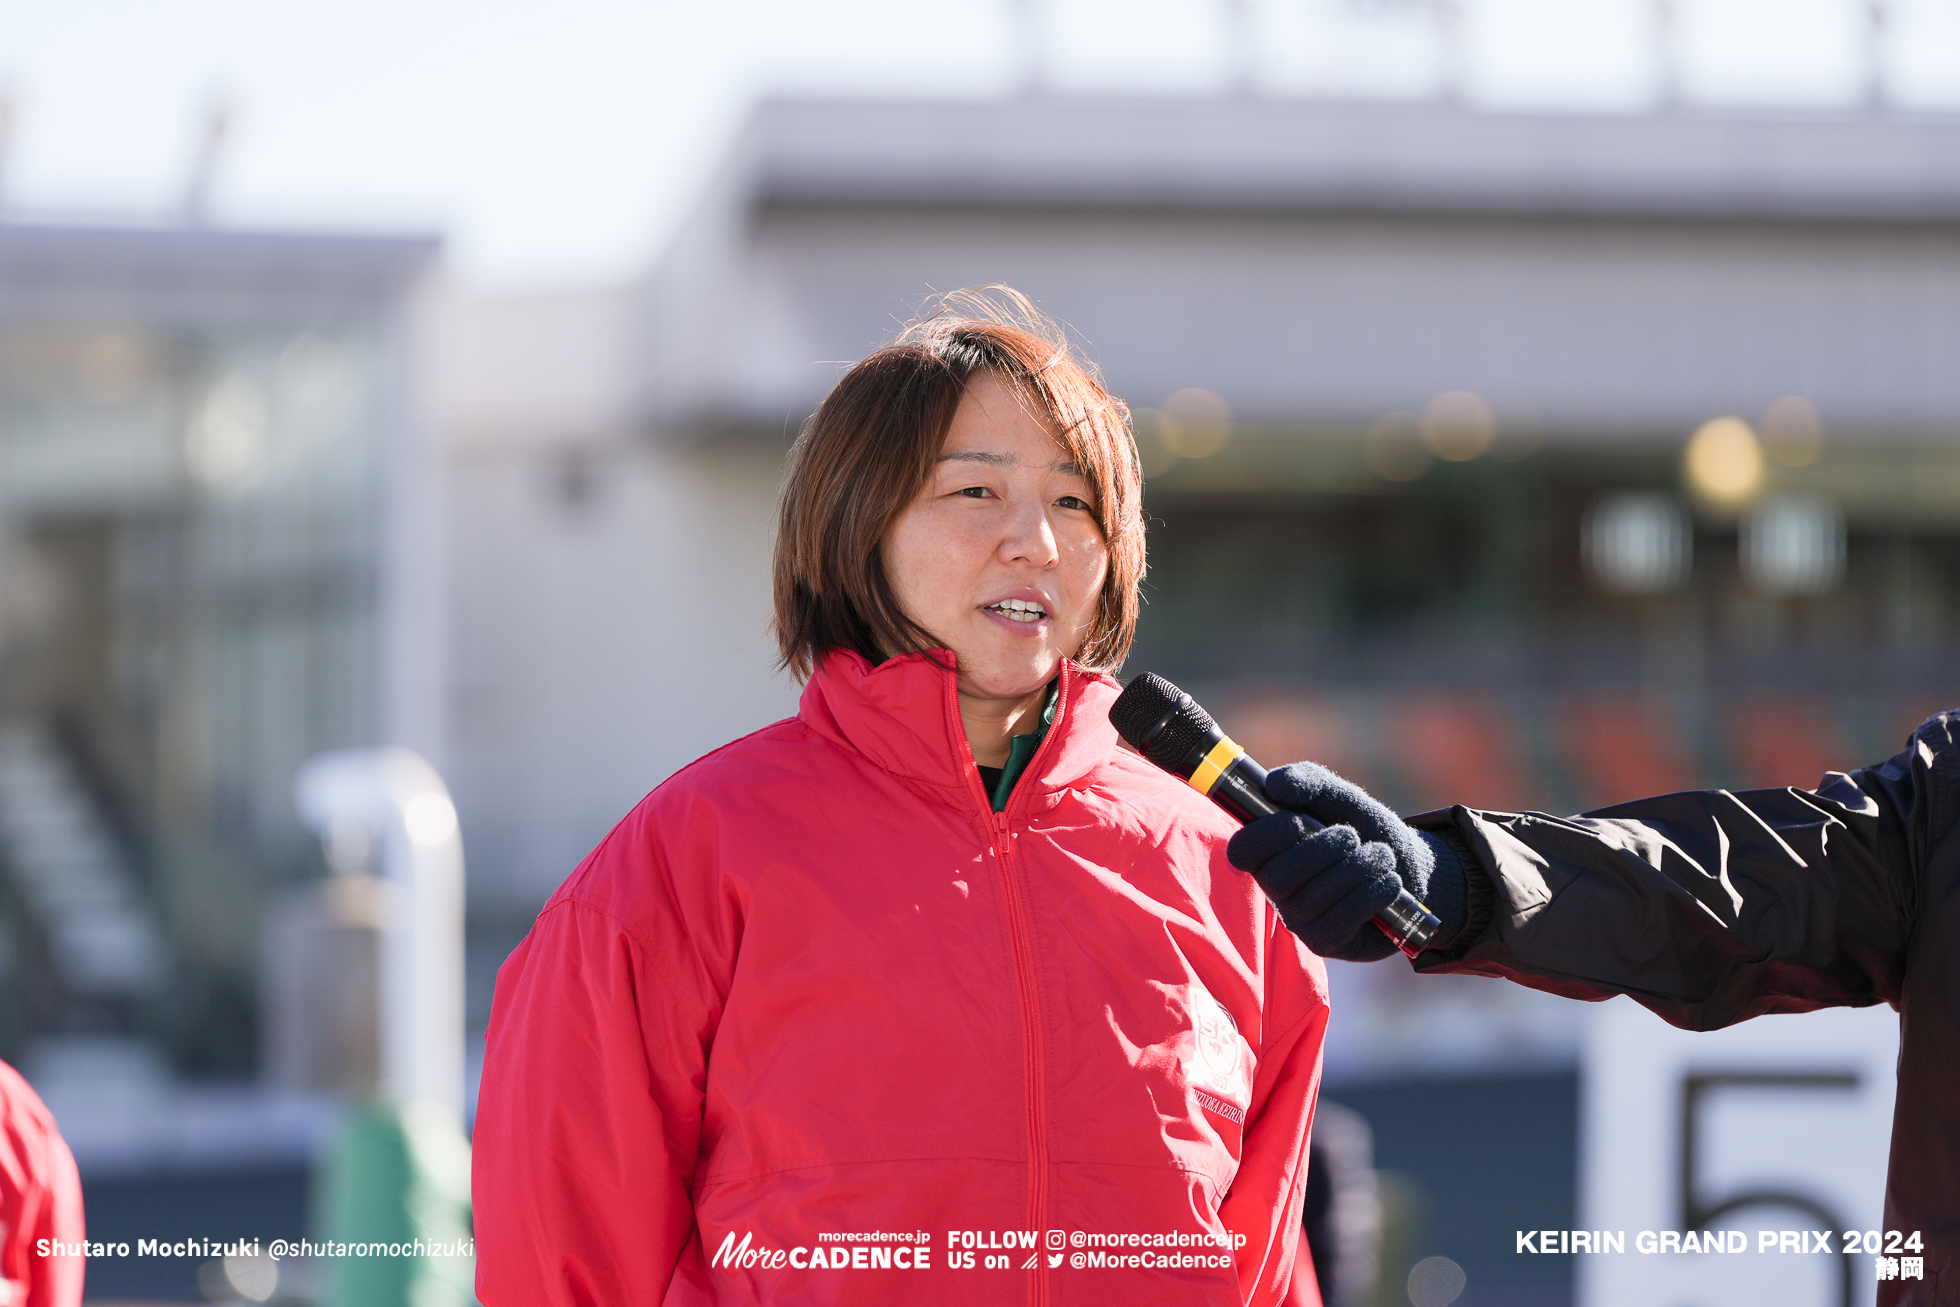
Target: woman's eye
column 1072, row 501
column 974, row 492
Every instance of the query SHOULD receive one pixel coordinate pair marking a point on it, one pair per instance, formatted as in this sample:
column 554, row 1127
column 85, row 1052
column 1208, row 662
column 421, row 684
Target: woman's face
column 999, row 556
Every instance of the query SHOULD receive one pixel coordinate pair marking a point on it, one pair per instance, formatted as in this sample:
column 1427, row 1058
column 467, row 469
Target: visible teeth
column 1020, row 610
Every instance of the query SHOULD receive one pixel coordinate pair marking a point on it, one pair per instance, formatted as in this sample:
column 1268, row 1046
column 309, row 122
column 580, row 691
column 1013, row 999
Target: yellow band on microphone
column 1222, row 755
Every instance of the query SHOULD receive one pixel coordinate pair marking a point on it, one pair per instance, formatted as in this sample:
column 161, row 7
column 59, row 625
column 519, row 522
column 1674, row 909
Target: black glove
column 1329, row 884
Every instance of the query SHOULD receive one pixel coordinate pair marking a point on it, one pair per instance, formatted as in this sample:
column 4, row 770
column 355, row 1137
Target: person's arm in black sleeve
column 1710, row 907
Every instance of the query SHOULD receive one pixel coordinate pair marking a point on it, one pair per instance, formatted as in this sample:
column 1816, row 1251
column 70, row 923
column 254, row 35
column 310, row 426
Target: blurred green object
column 396, row 1175
column 1402, row 1235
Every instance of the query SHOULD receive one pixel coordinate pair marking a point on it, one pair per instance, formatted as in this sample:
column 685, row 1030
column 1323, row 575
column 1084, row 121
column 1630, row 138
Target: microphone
column 1167, row 726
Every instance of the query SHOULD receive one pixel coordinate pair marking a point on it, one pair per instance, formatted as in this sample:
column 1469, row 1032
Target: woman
column 885, row 1002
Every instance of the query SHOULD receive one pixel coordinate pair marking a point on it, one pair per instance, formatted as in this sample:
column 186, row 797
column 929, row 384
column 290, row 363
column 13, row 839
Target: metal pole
column 1032, row 73
column 1876, row 16
column 1241, row 48
column 1452, row 51
column 1667, row 55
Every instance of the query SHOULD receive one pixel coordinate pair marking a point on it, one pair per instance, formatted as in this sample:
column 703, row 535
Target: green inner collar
column 1021, row 748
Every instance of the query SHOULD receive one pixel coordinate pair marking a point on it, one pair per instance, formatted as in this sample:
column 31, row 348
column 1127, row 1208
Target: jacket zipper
column 1020, row 933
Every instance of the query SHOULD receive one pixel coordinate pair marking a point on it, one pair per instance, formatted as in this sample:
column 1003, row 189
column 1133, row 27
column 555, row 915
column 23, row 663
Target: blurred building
column 1416, row 389
column 214, row 562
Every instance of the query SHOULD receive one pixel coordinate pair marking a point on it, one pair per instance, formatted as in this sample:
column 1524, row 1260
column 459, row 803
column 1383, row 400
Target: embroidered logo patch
column 1217, row 1061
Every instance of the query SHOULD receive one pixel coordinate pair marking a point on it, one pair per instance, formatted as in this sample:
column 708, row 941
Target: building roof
column 54, row 271
column 1316, row 155
column 1317, row 262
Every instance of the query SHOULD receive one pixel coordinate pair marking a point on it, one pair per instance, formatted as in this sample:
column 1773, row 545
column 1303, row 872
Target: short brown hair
column 873, row 442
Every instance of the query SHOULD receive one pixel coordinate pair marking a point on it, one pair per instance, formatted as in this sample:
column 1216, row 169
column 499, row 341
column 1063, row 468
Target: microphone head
column 1162, row 722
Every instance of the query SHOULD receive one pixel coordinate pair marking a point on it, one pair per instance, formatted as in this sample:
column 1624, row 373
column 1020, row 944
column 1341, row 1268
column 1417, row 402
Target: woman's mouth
column 1018, row 610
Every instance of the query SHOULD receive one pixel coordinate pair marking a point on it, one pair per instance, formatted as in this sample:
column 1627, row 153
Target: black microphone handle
column 1241, row 791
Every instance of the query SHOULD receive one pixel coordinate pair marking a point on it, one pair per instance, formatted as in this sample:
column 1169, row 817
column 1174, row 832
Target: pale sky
column 558, row 142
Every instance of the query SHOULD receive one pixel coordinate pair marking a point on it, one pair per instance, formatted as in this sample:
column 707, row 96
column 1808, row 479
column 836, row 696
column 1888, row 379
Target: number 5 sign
column 1780, row 1124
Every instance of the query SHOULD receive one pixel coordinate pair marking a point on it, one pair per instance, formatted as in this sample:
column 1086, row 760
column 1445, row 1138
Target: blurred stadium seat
column 1282, row 728
column 1785, row 740
column 1622, row 747
column 1461, row 749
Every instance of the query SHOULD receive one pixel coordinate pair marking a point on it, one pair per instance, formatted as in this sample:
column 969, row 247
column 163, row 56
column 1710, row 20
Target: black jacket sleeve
column 1712, row 907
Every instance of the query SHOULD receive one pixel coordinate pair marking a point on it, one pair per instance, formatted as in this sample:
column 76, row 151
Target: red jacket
column 814, row 987
column 40, row 1200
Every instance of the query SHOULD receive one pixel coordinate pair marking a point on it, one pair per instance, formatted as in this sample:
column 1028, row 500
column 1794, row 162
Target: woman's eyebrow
column 1064, row 466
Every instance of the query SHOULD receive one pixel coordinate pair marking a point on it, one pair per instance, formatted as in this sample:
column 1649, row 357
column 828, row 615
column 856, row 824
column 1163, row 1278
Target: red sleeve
column 1264, row 1204
column 588, row 1122
column 40, row 1198
column 1306, row 1286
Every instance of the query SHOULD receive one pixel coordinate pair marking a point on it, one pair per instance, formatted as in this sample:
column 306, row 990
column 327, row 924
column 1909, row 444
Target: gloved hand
column 1329, row 884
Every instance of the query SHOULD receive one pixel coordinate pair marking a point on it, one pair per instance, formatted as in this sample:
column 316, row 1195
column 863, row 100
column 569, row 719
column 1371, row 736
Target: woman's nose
column 1030, row 537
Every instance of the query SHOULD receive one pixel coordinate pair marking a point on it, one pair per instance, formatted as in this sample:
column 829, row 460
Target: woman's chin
column 1018, row 679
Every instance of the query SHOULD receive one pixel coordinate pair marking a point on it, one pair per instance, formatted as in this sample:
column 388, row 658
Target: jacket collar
column 904, row 716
